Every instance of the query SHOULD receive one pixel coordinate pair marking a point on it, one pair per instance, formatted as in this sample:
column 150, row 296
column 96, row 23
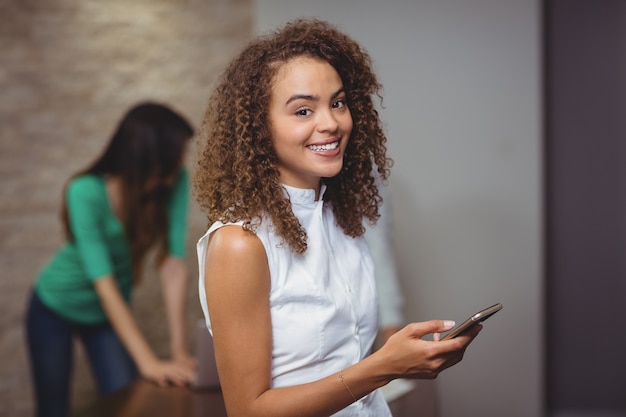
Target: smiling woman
column 291, row 144
column 310, row 130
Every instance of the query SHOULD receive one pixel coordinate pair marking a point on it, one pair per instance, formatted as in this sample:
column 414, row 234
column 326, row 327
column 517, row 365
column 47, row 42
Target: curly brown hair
column 237, row 177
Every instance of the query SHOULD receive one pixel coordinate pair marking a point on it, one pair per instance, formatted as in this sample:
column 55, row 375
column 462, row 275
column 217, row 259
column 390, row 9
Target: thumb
column 426, row 327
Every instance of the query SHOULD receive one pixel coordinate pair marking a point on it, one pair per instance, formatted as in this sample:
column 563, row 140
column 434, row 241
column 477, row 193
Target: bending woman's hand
column 184, row 358
column 410, row 356
column 169, row 372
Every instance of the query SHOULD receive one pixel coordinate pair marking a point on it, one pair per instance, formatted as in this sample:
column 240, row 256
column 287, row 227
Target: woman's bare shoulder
column 234, row 241
column 234, row 238
column 236, row 264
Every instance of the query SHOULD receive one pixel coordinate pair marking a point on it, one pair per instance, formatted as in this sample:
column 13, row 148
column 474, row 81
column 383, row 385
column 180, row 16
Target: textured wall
column 68, row 71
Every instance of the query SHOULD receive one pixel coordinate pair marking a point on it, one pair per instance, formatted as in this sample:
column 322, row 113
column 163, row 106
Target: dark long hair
column 147, row 148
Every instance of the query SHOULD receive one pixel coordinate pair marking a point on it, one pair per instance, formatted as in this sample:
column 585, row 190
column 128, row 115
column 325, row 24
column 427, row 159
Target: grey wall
column 463, row 115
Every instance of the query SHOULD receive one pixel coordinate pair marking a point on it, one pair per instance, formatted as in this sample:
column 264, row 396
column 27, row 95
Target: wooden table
column 145, row 399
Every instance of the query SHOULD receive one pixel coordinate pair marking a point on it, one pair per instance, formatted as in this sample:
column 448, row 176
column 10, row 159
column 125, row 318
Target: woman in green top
column 132, row 199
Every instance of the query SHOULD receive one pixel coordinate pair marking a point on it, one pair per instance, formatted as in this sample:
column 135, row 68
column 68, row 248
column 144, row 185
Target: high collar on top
column 304, row 196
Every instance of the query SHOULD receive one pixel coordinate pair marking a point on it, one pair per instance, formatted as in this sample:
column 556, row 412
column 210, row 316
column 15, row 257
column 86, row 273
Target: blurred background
column 506, row 122
column 69, row 70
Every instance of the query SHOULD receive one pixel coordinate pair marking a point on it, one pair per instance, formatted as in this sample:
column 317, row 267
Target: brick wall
column 68, row 71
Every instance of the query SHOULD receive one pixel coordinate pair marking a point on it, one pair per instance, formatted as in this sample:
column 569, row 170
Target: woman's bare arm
column 237, row 285
column 173, row 273
column 125, row 325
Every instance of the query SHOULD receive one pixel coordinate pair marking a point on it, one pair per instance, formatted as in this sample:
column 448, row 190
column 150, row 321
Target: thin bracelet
column 346, row 385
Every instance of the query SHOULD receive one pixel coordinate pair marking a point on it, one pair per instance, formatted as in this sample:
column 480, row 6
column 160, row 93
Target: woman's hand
column 169, row 372
column 184, row 358
column 386, row 332
column 410, row 356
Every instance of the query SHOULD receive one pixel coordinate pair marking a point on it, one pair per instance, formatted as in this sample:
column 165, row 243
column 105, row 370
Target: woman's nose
column 327, row 121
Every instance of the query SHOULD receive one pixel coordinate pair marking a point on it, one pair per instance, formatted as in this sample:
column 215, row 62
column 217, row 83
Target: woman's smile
column 325, row 148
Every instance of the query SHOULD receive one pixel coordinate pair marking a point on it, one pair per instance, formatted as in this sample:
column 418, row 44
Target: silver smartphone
column 472, row 321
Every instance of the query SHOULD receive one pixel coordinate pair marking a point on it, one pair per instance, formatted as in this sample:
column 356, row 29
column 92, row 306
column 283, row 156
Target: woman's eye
column 339, row 104
column 303, row 112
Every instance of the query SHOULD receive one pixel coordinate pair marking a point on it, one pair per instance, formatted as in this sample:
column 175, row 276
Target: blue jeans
column 50, row 345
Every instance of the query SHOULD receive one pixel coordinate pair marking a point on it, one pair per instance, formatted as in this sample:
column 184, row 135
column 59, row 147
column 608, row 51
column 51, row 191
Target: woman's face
column 310, row 122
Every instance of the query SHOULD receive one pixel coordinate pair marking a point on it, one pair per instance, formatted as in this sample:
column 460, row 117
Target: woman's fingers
column 172, row 373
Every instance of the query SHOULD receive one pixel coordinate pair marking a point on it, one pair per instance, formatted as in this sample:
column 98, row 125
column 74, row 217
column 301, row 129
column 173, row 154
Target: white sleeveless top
column 323, row 303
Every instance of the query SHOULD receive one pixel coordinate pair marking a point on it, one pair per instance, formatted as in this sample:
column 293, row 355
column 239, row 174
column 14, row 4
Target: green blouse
column 99, row 249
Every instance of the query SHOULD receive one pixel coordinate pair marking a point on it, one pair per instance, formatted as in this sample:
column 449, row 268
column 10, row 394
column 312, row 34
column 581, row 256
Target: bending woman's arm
column 173, row 272
column 125, row 325
column 237, row 285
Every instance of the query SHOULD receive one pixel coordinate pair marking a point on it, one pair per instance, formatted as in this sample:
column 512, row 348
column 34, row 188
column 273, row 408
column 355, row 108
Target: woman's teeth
column 327, row 147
